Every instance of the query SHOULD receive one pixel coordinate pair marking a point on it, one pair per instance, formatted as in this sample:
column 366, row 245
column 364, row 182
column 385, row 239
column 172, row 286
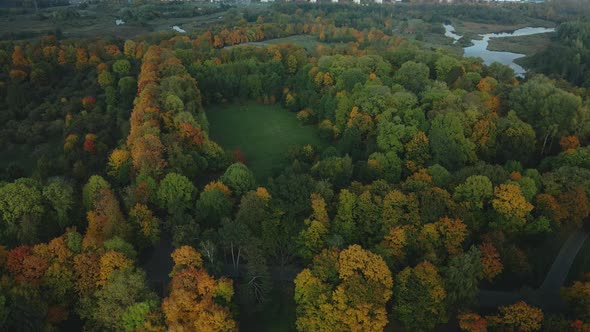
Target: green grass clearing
column 264, row 133
column 306, row 41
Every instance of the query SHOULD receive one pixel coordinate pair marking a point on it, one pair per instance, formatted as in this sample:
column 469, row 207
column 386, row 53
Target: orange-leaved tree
column 197, row 301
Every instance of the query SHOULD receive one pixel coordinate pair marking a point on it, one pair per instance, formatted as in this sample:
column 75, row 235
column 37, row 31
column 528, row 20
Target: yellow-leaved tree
column 343, row 291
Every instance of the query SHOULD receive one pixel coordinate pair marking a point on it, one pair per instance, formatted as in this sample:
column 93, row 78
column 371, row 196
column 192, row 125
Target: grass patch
column 581, row 263
column 524, row 44
column 306, row 41
column 264, row 133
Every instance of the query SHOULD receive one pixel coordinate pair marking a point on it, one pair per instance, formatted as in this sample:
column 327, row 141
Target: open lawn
column 306, row 41
column 264, row 133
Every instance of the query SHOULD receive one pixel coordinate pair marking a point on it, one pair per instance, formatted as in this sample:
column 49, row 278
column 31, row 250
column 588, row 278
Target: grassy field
column 263, row 133
column 305, row 41
column 581, row 263
column 99, row 20
column 524, row 44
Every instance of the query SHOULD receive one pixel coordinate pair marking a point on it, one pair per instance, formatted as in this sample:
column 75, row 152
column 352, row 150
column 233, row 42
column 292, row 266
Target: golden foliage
column 518, row 317
column 117, row 158
column 186, row 256
column 263, row 193
column 111, row 262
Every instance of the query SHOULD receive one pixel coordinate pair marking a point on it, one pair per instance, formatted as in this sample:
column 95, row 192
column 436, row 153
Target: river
column 480, row 47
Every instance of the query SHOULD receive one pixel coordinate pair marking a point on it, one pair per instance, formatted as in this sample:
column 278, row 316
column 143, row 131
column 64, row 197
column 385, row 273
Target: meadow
column 305, row 41
column 264, row 133
column 91, row 20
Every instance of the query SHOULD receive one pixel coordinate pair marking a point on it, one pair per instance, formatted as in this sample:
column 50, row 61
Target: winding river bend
column 480, row 47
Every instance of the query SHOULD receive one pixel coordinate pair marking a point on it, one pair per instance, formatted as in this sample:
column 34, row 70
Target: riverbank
column 468, row 27
column 479, row 48
column 527, row 45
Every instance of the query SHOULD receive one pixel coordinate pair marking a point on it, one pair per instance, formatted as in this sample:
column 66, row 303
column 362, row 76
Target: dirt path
column 158, row 264
column 563, row 262
column 547, row 296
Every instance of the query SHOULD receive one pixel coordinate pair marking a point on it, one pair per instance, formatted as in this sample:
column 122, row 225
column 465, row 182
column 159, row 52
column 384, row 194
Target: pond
column 450, row 32
column 480, row 47
column 178, row 29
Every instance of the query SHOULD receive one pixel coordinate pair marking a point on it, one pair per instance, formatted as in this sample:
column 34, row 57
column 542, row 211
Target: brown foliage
column 569, row 143
column 490, row 261
column 472, row 322
column 193, row 303
column 518, row 317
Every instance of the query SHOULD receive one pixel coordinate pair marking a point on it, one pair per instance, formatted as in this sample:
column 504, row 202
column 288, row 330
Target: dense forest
column 439, row 179
column 569, row 55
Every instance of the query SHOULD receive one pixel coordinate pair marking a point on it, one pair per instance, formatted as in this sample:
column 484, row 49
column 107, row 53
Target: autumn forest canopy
column 292, row 167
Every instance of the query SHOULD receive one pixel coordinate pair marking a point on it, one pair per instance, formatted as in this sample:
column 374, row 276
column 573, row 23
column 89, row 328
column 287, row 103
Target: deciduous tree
column 419, row 297
column 490, row 261
column 175, row 193
column 343, row 291
column 517, row 317
column 197, row 302
column 577, row 296
column 512, row 206
column 239, row 178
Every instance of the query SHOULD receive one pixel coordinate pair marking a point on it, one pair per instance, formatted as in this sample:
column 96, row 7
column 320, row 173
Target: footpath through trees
column 546, row 296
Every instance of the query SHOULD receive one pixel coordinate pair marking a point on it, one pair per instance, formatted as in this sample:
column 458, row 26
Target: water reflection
column 480, row 47
column 450, row 32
